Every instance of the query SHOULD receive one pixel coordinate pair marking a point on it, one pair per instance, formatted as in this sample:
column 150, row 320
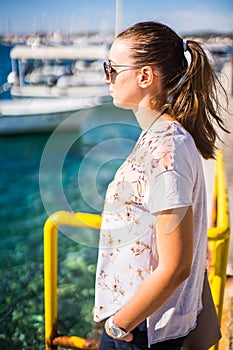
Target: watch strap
column 115, row 329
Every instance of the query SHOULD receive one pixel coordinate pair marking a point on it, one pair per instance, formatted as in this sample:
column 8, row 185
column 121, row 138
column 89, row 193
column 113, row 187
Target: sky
column 76, row 16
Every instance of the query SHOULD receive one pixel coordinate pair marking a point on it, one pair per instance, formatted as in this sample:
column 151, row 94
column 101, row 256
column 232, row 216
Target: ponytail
column 194, row 101
column 190, row 93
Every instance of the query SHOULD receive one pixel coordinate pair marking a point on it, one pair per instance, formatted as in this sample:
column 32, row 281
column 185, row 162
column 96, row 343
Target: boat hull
column 35, row 123
column 43, row 115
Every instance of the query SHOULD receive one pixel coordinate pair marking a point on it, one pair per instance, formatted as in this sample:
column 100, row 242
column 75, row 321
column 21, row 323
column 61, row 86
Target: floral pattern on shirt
column 127, row 250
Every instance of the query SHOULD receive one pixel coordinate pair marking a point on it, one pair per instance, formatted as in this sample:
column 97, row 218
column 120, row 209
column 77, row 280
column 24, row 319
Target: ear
column 146, row 77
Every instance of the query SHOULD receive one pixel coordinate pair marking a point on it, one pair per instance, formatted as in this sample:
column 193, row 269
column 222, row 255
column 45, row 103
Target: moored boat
column 48, row 84
column 39, row 71
column 43, row 115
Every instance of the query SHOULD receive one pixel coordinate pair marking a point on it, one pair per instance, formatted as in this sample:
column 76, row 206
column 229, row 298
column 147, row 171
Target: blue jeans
column 139, row 342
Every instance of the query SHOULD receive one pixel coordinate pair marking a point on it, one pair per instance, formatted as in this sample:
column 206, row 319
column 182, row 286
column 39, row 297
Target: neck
column 146, row 117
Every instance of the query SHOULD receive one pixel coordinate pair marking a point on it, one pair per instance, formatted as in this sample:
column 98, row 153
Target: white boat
column 37, row 70
column 43, row 115
column 218, row 52
column 52, row 83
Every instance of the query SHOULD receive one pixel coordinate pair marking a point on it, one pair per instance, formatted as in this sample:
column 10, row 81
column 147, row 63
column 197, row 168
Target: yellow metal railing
column 218, row 237
column 218, row 244
column 51, row 227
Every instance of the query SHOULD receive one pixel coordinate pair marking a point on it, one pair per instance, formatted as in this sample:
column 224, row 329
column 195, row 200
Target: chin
column 123, row 105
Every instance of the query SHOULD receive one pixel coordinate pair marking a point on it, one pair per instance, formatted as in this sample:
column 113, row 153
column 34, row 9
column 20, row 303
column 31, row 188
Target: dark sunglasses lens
column 107, row 70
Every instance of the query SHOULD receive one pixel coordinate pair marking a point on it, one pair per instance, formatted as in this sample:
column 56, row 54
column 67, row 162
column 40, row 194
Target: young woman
column 153, row 239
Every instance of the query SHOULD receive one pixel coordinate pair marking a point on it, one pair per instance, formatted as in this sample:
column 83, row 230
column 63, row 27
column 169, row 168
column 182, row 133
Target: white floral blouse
column 162, row 172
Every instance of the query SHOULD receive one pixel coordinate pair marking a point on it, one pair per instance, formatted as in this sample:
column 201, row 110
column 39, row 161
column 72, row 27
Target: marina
column 48, row 83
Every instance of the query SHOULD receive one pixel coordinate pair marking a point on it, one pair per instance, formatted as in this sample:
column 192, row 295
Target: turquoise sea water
column 41, row 174
column 5, row 69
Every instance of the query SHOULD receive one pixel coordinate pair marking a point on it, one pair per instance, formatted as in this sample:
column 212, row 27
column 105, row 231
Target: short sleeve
column 171, row 186
column 169, row 190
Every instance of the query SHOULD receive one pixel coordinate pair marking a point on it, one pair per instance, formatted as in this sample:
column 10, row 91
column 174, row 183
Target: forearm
column 155, row 290
column 175, row 246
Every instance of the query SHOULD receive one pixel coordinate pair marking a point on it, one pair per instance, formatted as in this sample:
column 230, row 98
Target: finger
column 128, row 337
column 106, row 326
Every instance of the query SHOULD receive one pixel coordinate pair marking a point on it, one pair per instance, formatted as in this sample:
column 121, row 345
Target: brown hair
column 191, row 91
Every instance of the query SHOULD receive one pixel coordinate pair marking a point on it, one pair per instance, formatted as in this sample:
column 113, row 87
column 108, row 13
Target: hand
column 127, row 338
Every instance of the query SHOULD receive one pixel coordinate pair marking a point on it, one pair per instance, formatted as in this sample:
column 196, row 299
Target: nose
column 107, row 80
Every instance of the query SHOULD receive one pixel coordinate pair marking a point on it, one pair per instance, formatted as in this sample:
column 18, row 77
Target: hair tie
column 185, row 45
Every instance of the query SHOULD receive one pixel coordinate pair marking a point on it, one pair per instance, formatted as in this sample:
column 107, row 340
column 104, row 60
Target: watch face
column 117, row 332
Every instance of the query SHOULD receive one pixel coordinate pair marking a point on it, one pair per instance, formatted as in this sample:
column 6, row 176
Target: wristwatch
column 116, row 331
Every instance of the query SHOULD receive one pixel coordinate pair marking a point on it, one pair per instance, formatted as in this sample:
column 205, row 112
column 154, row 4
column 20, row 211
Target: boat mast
column 118, row 17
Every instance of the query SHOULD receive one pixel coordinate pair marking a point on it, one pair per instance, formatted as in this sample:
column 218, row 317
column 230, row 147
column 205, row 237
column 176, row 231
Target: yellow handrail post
column 52, row 224
column 219, row 238
column 50, row 282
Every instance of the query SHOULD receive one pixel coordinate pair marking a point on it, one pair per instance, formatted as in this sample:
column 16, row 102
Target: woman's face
column 123, row 82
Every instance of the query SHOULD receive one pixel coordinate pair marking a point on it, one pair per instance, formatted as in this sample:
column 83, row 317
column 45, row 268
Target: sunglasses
column 109, row 68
